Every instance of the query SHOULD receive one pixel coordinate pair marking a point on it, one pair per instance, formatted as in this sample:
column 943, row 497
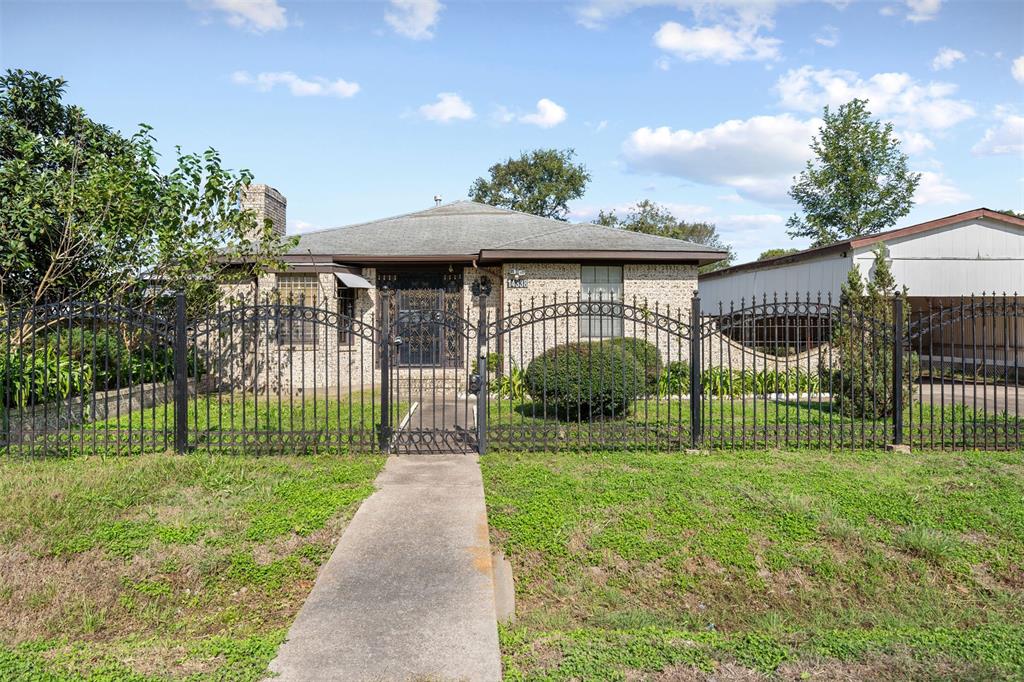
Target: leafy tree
column 86, row 213
column 542, row 182
column 857, row 181
column 862, row 343
column 650, row 218
column 775, row 253
column 1015, row 214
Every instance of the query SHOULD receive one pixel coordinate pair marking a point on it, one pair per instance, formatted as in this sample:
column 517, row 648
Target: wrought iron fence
column 399, row 375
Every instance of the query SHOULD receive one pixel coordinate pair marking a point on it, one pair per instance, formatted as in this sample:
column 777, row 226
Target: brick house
column 429, row 261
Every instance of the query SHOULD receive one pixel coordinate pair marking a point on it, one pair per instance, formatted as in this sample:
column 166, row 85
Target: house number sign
column 517, row 279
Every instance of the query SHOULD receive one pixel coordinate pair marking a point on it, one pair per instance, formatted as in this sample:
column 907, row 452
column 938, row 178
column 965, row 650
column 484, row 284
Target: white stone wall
column 657, row 299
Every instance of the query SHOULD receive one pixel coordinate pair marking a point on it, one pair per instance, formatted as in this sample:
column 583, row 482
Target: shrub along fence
column 555, row 373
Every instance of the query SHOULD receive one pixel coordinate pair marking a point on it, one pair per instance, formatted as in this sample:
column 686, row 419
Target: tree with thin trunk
column 857, row 181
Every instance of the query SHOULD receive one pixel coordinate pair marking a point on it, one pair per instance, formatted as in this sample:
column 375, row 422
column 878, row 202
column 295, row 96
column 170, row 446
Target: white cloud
column 717, row 43
column 828, row 36
column 887, row 11
column 548, row 114
column 503, row 114
column 596, row 14
column 414, row 19
column 1018, row 69
column 299, row 226
column 922, row 10
column 757, row 157
column 914, row 142
column 936, row 188
column 1005, row 138
column 892, row 95
column 947, row 58
column 300, row 87
column 258, row 16
column 448, row 107
column 588, row 212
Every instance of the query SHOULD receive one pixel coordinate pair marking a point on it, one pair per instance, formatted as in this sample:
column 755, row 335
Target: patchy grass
column 162, row 566
column 848, row 565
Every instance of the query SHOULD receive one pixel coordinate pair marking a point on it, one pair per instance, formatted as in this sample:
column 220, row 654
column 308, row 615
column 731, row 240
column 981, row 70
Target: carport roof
column 470, row 230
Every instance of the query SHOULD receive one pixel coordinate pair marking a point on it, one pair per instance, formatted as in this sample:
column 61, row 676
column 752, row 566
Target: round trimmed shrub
column 579, row 380
column 646, row 354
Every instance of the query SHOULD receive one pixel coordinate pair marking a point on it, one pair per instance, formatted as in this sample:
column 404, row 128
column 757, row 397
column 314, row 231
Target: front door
column 417, row 324
column 422, row 302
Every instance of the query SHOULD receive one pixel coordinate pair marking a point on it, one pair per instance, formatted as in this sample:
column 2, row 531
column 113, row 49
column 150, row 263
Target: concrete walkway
column 408, row 592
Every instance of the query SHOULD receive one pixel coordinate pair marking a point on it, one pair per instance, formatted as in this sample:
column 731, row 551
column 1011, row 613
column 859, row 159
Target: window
column 296, row 326
column 602, row 286
column 346, row 313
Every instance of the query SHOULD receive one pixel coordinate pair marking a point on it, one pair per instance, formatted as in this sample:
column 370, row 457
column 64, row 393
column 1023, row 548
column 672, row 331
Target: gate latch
column 474, row 383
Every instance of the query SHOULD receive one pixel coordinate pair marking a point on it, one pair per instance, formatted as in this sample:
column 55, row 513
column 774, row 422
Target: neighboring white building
column 975, row 252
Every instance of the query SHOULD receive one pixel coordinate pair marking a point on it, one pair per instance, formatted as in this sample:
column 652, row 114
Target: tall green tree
column 542, row 182
column 775, row 253
column 857, row 181
column 651, row 218
column 87, row 213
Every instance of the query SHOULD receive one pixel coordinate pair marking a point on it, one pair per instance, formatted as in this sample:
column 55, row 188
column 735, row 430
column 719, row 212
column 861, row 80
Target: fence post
column 180, row 376
column 386, row 344
column 696, row 427
column 482, row 393
column 897, row 370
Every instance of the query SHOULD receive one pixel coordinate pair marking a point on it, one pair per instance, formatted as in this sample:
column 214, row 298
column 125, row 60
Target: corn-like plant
column 511, row 384
column 719, row 381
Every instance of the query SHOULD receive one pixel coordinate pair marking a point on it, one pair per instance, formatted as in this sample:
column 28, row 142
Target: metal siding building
column 976, row 252
column 944, row 263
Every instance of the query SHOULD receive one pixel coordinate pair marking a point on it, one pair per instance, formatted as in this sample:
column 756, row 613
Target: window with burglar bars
column 601, row 284
column 295, row 290
column 346, row 312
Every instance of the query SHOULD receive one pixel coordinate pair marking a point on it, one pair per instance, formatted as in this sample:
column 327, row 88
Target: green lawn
column 812, row 564
column 232, row 423
column 748, row 422
column 163, row 567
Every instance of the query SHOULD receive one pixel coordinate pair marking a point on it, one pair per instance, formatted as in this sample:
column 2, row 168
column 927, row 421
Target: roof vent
column 437, row 200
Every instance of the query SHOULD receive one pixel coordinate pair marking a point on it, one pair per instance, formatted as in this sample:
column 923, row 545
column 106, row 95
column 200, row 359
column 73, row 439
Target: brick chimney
column 266, row 202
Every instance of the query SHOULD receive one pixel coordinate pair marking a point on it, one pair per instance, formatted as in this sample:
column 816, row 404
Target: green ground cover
column 748, row 422
column 801, row 565
column 237, row 423
column 163, row 567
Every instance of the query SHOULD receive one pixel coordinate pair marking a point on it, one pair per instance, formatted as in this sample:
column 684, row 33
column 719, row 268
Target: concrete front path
column 408, row 592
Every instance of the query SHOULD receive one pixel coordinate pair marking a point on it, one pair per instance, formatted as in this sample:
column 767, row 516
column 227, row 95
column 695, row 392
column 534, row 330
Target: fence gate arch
column 428, row 362
column 626, row 361
column 424, row 375
column 801, row 371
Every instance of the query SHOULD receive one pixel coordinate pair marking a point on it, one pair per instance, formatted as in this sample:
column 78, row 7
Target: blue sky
column 360, row 110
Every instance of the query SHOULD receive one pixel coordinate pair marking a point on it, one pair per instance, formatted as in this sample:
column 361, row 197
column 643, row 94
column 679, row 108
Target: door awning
column 352, row 281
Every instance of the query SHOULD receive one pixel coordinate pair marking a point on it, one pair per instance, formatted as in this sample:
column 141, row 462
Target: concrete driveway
column 408, row 593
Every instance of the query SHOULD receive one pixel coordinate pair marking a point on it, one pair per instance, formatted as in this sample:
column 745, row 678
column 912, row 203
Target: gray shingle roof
column 467, row 228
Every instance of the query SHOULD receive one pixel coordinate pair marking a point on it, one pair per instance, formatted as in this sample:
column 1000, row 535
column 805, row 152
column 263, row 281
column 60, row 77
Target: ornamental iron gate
column 415, row 372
